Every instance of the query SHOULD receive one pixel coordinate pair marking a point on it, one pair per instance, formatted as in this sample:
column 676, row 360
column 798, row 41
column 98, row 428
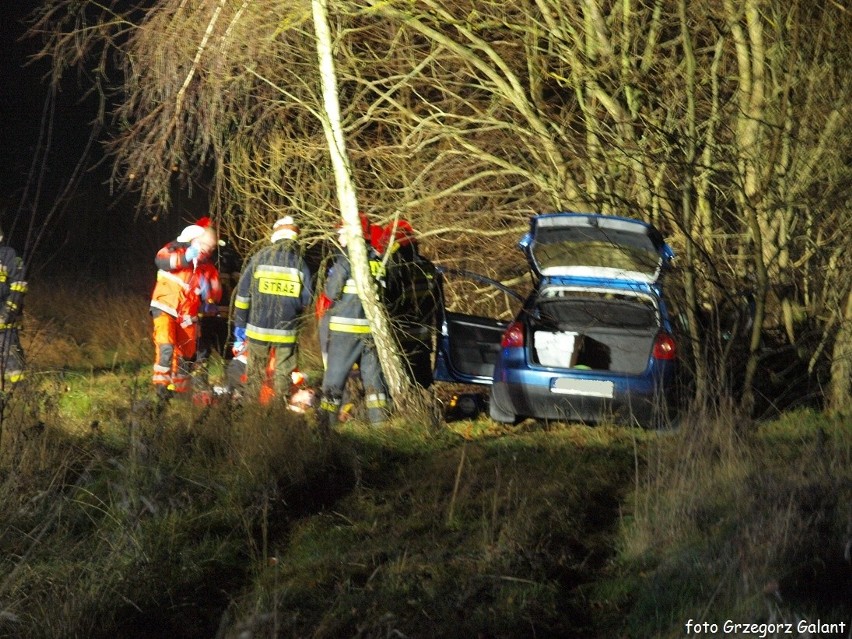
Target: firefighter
column 13, row 287
column 350, row 339
column 274, row 290
column 186, row 280
column 347, row 402
column 375, row 234
column 411, row 299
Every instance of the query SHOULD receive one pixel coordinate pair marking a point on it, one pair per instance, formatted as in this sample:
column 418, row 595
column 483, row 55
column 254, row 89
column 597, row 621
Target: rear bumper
column 529, row 394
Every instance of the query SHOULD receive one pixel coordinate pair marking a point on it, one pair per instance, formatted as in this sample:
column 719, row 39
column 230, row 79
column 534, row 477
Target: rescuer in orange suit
column 186, row 280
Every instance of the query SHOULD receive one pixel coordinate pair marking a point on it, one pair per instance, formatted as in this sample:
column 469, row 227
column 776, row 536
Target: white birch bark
column 397, row 381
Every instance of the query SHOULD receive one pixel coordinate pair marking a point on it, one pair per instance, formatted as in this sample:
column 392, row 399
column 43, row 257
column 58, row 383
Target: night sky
column 21, row 102
column 89, row 230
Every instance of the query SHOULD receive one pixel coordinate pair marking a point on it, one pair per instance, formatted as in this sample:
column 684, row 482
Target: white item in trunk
column 558, row 349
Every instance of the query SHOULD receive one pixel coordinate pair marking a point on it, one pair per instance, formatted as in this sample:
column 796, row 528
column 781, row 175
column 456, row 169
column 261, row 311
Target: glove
column 239, row 349
column 239, row 333
column 185, row 321
column 192, row 252
column 204, row 289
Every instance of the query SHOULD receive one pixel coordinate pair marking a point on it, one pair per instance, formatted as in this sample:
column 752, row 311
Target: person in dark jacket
column 13, row 287
column 411, row 296
column 274, row 290
column 350, row 341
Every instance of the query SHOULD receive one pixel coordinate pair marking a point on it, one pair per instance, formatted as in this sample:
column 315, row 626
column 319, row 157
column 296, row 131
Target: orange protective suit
column 184, row 283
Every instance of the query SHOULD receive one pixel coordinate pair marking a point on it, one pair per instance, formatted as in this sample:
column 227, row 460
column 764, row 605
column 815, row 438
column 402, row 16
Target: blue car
column 592, row 342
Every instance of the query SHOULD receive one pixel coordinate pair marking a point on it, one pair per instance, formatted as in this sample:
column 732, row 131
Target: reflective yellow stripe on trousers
column 348, row 325
column 271, row 335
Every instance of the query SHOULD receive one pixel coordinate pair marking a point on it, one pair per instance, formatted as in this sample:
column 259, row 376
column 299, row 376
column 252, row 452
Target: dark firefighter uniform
column 13, row 287
column 411, row 300
column 274, row 290
column 351, row 342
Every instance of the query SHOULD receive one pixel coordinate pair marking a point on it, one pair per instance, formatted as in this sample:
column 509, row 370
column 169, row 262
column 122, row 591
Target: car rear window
column 585, row 247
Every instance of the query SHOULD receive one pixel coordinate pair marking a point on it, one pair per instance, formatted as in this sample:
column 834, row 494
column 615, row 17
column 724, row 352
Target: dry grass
column 85, row 325
column 599, row 532
column 143, row 518
column 749, row 522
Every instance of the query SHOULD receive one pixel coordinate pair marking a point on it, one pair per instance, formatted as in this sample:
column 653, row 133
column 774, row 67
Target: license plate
column 583, row 387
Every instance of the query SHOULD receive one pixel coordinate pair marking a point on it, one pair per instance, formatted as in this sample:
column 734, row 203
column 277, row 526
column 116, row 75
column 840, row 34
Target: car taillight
column 514, row 336
column 664, row 346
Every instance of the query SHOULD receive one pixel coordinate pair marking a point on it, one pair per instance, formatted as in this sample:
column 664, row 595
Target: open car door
column 468, row 345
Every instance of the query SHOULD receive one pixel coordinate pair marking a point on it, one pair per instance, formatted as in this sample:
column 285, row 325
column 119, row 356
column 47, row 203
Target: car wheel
column 498, row 415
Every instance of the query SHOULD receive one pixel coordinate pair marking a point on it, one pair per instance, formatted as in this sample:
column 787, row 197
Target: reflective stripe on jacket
column 347, row 313
column 13, row 288
column 274, row 289
column 271, row 335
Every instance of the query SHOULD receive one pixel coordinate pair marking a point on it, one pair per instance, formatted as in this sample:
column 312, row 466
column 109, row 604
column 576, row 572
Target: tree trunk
column 688, row 214
column 841, row 361
column 398, row 383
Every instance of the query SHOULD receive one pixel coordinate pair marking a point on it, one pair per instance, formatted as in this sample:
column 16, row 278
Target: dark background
column 76, row 228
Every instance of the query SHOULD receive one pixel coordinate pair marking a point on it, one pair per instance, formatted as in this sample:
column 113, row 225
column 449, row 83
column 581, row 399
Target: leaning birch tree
column 388, row 352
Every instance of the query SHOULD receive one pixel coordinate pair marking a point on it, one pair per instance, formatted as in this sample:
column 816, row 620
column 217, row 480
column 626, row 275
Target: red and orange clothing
column 183, row 286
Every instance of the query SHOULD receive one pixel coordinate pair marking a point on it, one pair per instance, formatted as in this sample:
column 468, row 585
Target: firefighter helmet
column 284, row 229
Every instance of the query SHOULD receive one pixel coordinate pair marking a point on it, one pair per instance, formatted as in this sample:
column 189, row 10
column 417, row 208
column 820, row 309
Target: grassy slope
column 170, row 525
column 117, row 520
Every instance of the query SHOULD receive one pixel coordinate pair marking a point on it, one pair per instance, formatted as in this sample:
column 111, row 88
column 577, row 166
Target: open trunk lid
column 595, row 249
